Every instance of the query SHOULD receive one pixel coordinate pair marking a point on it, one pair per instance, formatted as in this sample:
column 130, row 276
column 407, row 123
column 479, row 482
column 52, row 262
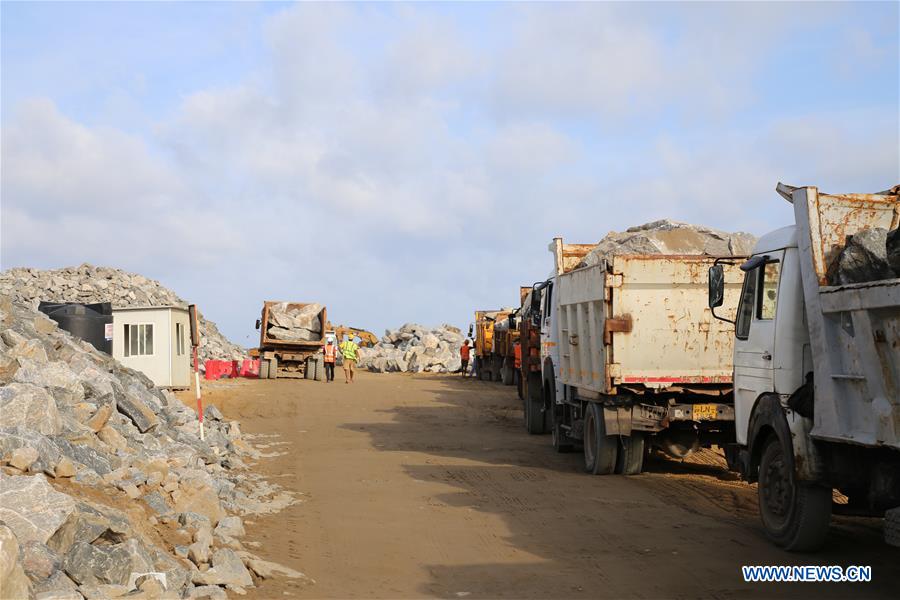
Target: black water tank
column 86, row 321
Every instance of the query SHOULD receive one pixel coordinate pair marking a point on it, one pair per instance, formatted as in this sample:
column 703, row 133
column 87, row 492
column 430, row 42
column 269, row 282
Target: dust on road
column 415, row 486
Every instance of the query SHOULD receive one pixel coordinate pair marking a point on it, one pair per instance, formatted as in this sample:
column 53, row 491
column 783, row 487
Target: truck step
column 892, row 527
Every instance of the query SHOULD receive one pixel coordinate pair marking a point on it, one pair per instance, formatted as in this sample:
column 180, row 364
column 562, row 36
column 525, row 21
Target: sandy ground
column 423, row 486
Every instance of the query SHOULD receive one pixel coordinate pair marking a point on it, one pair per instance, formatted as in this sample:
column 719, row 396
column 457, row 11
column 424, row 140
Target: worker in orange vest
column 464, row 356
column 330, row 351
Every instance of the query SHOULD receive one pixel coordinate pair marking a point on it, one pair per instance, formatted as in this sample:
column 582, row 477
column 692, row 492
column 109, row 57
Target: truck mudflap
column 621, row 420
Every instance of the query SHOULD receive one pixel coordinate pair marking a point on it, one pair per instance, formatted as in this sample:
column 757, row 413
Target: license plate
column 705, row 412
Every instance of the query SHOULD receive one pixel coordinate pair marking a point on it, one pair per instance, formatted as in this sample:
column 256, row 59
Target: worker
column 464, row 356
column 330, row 352
column 349, row 351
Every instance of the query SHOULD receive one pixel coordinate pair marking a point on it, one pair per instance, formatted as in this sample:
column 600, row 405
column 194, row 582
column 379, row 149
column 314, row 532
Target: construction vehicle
column 629, row 359
column 488, row 360
column 506, row 337
column 817, row 372
column 528, row 323
column 367, row 338
column 286, row 358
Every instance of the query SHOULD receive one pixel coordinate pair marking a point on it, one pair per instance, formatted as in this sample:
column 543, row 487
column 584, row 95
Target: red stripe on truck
column 701, row 379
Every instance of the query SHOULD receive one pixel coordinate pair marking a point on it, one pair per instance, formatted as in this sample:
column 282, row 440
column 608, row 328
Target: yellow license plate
column 705, row 412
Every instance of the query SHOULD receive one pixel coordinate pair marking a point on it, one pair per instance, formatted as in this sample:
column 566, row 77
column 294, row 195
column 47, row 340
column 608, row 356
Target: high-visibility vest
column 517, row 352
column 348, row 349
column 464, row 352
column 330, row 351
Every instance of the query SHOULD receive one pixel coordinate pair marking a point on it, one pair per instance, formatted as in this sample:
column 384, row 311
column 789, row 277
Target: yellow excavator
column 367, row 338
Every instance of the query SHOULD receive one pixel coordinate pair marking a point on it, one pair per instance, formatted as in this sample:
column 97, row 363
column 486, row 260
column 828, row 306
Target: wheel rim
column 589, row 438
column 776, row 489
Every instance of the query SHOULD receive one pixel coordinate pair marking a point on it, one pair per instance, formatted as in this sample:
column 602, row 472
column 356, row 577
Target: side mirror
column 471, row 327
column 716, row 286
column 258, row 323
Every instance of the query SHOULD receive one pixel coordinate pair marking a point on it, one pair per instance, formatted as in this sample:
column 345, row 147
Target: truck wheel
column 795, row 515
column 535, row 417
column 520, row 384
column 273, row 368
column 264, row 368
column 630, row 459
column 506, row 375
column 600, row 450
column 561, row 441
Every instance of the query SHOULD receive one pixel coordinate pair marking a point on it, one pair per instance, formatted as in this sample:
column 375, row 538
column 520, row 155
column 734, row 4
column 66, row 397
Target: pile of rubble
column 414, row 349
column 670, row 237
column 295, row 322
column 89, row 284
column 105, row 486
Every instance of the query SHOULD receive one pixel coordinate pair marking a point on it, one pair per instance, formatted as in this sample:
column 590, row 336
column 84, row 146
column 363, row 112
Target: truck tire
column 264, row 368
column 506, row 375
column 600, row 450
column 892, row 527
column 320, row 369
column 273, row 368
column 630, row 459
column 562, row 443
column 520, row 387
column 535, row 417
column 309, row 368
column 497, row 369
column 795, row 515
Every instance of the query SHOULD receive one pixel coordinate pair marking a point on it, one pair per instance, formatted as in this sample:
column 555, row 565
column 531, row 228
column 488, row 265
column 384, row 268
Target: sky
column 412, row 161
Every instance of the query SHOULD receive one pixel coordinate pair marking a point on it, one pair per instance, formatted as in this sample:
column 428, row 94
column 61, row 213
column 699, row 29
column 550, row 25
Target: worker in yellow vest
column 350, row 353
column 330, row 351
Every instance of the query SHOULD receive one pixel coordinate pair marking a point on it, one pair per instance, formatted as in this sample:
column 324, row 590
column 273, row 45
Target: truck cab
column 817, row 372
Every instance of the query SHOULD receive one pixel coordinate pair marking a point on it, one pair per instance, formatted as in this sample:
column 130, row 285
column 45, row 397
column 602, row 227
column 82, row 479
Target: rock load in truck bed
column 670, row 237
column 870, row 255
column 292, row 323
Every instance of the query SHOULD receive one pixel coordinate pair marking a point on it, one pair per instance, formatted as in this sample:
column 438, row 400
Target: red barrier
column 216, row 369
column 249, row 368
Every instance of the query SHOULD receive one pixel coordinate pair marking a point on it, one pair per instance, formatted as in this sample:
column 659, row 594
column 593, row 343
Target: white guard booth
column 155, row 340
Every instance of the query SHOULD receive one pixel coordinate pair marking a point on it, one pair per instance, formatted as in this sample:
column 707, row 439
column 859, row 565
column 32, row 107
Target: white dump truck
column 629, row 359
column 817, row 372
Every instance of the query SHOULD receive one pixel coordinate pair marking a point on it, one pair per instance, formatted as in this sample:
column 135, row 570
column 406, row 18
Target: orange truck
column 488, row 362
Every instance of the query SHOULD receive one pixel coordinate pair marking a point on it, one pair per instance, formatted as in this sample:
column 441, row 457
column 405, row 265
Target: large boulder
column 13, row 581
column 864, row 258
column 32, row 508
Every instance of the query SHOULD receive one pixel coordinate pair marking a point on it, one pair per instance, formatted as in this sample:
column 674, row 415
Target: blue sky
column 410, row 162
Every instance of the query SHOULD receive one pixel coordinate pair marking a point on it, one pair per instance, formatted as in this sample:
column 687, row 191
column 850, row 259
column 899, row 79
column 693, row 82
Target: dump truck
column 628, row 358
column 529, row 326
column 817, row 372
column 488, row 362
column 286, row 358
column 506, row 337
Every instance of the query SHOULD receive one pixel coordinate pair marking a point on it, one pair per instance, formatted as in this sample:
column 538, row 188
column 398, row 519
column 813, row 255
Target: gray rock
column 18, row 437
column 22, row 458
column 137, row 410
column 864, row 258
column 32, row 508
column 27, row 405
column 231, row 527
column 892, row 248
column 85, row 455
column 211, row 413
column 38, row 560
column 157, row 503
column 210, row 592
column 227, row 569
column 192, row 520
column 57, row 587
column 13, row 581
column 94, row 565
column 88, row 524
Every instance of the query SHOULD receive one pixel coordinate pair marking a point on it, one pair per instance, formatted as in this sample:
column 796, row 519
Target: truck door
column 754, row 372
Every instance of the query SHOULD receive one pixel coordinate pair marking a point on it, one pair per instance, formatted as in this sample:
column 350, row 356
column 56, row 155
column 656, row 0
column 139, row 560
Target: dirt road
column 420, row 486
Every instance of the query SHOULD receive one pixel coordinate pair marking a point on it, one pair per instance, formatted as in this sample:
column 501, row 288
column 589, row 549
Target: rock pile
column 295, row 323
column 670, row 237
column 89, row 284
column 105, row 487
column 414, row 348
